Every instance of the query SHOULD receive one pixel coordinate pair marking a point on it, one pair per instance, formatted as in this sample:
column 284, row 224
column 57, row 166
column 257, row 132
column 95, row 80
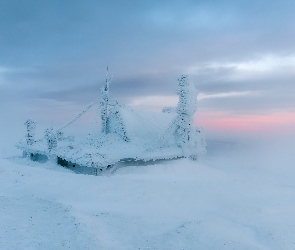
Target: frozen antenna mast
column 104, row 104
column 186, row 136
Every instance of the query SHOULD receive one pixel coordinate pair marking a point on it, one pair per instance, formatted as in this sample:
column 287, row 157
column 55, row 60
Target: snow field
column 231, row 199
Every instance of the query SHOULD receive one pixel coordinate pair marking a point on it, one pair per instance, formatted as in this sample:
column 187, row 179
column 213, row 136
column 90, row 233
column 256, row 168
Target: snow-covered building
column 126, row 134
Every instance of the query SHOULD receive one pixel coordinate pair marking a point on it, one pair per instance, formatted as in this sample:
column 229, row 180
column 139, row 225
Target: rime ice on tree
column 126, row 134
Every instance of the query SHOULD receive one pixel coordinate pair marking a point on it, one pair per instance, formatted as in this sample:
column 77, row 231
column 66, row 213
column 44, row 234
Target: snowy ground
column 237, row 197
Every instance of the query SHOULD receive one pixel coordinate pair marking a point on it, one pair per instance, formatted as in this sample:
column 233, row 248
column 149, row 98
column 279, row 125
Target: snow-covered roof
column 146, row 125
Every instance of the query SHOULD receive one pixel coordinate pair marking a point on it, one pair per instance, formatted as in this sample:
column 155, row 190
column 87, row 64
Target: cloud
column 265, row 66
column 202, row 96
column 260, row 85
column 156, row 102
column 239, row 54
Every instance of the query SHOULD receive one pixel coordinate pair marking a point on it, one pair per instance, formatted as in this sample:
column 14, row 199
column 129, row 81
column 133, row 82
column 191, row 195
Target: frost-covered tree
column 51, row 139
column 30, row 135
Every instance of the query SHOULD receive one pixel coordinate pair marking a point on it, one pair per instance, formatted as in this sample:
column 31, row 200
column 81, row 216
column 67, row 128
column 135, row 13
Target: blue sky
column 239, row 54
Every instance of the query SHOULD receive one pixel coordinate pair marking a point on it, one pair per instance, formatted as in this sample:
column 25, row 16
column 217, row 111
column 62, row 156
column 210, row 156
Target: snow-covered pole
column 30, row 135
column 51, row 139
column 104, row 103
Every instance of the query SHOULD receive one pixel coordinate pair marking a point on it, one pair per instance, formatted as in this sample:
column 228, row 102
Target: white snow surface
column 236, row 197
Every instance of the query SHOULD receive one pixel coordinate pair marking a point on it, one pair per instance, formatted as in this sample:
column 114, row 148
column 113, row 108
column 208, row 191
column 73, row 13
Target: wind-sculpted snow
column 237, row 197
column 34, row 223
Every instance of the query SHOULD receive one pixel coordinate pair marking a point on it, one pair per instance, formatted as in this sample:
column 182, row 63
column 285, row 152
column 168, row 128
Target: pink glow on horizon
column 215, row 121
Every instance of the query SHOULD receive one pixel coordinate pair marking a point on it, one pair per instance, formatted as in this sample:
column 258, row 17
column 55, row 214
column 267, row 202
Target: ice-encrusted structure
column 30, row 135
column 51, row 138
column 126, row 134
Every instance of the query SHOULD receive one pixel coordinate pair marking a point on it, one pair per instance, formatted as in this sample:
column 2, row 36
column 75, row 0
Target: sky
column 239, row 54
